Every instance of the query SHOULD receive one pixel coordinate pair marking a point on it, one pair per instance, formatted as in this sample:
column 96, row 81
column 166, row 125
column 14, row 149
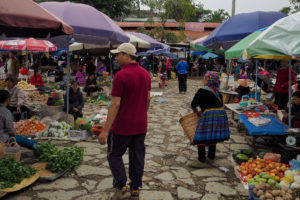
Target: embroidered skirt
column 212, row 127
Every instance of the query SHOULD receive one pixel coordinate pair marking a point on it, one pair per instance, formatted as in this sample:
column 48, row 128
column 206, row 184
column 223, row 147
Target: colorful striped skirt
column 212, row 127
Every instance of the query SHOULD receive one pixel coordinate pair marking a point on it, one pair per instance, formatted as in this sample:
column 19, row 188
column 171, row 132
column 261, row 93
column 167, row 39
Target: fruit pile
column 263, row 178
column 29, row 127
column 254, row 167
column 242, row 155
column 25, row 86
column 264, row 192
column 291, row 179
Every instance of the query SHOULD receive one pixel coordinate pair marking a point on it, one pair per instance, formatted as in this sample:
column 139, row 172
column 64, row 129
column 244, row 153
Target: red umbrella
column 30, row 44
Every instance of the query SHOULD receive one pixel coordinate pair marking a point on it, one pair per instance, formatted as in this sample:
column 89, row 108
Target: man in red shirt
column 126, row 124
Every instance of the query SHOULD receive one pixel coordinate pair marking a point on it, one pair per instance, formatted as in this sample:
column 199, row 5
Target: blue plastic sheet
column 272, row 128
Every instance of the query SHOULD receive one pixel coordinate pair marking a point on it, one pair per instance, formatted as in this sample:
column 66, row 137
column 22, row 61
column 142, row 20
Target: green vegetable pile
column 13, row 172
column 58, row 160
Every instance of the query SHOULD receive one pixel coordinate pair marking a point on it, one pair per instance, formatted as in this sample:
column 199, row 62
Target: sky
column 244, row 6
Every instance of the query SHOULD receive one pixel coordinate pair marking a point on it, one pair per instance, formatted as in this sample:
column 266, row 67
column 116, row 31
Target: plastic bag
column 273, row 157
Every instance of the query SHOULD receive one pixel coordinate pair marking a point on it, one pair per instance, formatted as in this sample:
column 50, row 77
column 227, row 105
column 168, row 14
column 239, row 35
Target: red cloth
column 132, row 83
column 282, row 81
column 169, row 63
column 37, row 80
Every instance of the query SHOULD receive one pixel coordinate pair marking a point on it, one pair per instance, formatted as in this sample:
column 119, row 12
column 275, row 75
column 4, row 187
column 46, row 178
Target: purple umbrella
column 89, row 24
column 147, row 38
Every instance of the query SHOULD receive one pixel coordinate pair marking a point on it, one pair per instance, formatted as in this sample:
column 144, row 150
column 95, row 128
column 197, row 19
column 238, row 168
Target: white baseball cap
column 125, row 48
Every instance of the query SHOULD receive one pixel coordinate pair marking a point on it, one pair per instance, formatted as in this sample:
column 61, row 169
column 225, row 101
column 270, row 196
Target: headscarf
column 213, row 81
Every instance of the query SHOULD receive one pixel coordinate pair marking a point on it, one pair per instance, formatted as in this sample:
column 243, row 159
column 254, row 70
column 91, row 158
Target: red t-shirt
column 36, row 80
column 132, row 83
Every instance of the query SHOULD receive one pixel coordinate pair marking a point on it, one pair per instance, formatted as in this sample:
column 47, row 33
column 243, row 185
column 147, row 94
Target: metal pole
column 68, row 80
column 256, row 69
column 290, row 88
column 229, row 69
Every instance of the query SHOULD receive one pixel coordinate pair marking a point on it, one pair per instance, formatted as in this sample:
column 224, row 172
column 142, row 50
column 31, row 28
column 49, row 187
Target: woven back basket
column 189, row 124
column 11, row 149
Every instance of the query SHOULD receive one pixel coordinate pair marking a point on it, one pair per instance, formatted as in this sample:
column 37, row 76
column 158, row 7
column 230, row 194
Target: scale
column 291, row 139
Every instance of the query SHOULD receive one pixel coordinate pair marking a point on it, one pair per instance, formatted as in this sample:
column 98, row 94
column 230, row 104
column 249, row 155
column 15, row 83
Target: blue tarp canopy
column 238, row 27
column 272, row 128
column 209, row 55
column 198, row 53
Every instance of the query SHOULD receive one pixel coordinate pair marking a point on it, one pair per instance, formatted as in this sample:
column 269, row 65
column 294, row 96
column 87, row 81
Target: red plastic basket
column 252, row 114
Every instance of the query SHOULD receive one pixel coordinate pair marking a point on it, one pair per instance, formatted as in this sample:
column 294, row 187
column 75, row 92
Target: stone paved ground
column 166, row 176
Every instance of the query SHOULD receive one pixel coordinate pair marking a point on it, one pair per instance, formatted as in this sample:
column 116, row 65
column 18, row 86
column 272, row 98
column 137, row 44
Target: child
column 295, row 111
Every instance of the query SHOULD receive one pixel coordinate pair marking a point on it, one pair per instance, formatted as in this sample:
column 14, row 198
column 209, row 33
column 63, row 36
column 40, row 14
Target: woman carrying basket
column 213, row 123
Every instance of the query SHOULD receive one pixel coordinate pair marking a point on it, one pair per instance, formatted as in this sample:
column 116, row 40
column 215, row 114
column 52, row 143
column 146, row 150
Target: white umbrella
column 138, row 42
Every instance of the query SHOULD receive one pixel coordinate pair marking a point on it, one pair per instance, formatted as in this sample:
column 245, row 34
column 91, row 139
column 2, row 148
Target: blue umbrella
column 90, row 25
column 169, row 54
column 238, row 27
column 209, row 55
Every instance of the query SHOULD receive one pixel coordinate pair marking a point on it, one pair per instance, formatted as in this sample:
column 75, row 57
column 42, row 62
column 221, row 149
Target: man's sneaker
column 135, row 195
column 121, row 194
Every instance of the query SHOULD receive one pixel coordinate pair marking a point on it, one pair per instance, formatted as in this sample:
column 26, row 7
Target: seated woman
column 243, row 88
column 101, row 68
column 6, row 124
column 76, row 101
column 18, row 101
column 37, row 80
column 91, row 85
column 80, row 77
column 295, row 122
column 59, row 75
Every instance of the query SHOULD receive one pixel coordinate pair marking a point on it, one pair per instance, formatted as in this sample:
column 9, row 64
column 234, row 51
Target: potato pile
column 25, row 86
column 265, row 192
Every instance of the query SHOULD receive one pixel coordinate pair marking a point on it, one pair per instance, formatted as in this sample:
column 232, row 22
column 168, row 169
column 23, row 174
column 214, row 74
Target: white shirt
column 9, row 68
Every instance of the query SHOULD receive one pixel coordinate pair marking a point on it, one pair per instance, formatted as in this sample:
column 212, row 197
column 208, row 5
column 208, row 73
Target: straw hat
column 243, row 82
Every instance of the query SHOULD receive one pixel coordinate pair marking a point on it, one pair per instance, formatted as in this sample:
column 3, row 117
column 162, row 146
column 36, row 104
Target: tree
column 115, row 9
column 180, row 10
column 293, row 8
column 218, row 16
column 200, row 13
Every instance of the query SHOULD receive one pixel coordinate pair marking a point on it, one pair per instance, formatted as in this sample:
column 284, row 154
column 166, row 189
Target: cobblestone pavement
column 166, row 176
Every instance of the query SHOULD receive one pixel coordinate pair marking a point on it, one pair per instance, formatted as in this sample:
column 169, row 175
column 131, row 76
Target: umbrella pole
column 110, row 65
column 290, row 88
column 68, row 79
column 153, row 65
column 256, row 69
column 229, row 69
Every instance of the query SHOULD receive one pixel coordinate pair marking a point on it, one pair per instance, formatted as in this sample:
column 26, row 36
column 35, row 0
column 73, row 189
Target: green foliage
column 293, row 8
column 171, row 37
column 13, row 172
column 59, row 160
column 217, row 16
column 114, row 9
column 141, row 30
column 180, row 10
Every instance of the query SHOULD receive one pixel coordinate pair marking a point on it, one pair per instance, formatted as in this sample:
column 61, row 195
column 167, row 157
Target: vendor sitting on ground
column 59, row 75
column 80, row 77
column 295, row 122
column 6, row 124
column 243, row 88
column 76, row 101
column 18, row 101
column 91, row 85
column 37, row 79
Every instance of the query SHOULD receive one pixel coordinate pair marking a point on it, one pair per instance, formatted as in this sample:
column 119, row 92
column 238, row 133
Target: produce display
column 264, row 192
column 292, row 176
column 242, row 155
column 25, row 86
column 254, row 167
column 82, row 124
column 36, row 96
column 55, row 129
column 29, row 127
column 59, row 160
column 13, row 172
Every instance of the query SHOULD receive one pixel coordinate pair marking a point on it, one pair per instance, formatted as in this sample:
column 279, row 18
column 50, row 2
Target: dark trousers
column 17, row 116
column 182, row 82
column 90, row 90
column 75, row 114
column 211, row 152
column 281, row 100
column 169, row 73
column 117, row 146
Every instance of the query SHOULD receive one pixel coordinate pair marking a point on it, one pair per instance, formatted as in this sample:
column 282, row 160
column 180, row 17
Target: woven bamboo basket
column 11, row 149
column 189, row 124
